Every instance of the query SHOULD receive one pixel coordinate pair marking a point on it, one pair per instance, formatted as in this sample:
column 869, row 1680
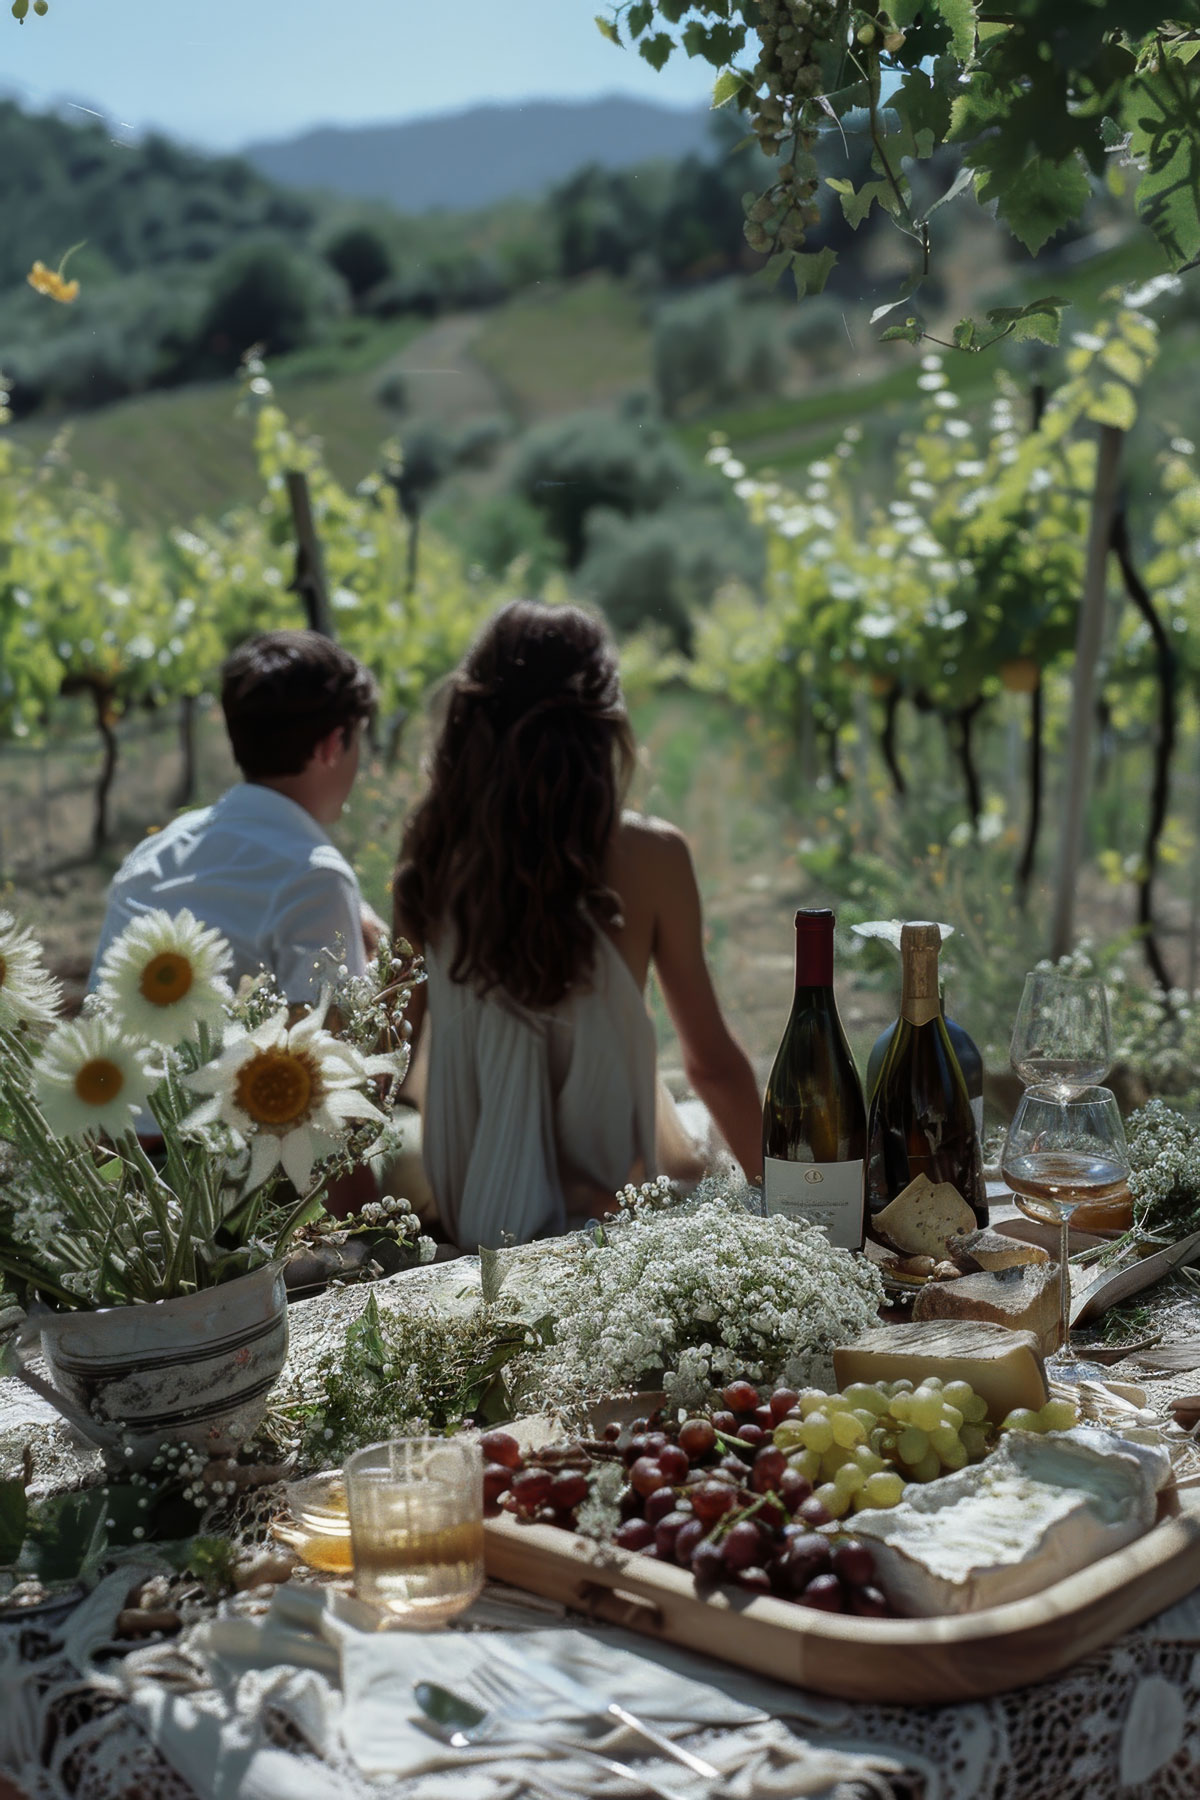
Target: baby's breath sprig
column 1164, row 1171
column 690, row 1295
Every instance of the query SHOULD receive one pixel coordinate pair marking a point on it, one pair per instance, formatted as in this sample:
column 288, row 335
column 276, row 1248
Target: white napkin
column 383, row 1730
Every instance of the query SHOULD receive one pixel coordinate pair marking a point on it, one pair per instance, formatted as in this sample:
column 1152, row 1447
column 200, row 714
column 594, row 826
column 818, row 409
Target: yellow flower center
column 99, row 1081
column 166, row 979
column 279, row 1087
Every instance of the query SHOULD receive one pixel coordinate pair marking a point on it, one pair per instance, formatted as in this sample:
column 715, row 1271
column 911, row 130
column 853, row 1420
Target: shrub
column 713, row 347
column 360, row 254
column 659, row 569
column 571, row 466
column 391, row 391
column 261, row 293
column 502, row 531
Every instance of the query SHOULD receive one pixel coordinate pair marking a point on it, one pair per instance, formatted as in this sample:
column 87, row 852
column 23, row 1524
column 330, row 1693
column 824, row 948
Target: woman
column 540, row 906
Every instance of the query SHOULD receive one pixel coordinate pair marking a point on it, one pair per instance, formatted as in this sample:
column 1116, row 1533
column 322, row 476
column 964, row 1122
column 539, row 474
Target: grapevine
column 1003, row 88
column 957, row 575
column 123, row 618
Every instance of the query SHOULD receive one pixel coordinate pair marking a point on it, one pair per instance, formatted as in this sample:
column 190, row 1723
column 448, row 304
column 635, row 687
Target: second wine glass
column 1062, row 1037
column 1058, row 1154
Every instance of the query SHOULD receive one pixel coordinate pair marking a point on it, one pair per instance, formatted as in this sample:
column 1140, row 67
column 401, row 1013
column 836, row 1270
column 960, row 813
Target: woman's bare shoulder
column 651, row 862
column 642, row 833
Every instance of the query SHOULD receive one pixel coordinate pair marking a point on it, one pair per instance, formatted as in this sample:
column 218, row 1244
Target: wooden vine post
column 1164, row 749
column 1087, row 656
column 99, row 690
column 309, row 578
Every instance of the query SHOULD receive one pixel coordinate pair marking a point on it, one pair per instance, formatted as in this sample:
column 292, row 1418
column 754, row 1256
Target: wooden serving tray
column 913, row 1661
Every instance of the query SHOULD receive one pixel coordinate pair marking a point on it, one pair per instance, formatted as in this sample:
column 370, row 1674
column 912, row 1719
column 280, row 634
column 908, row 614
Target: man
column 258, row 865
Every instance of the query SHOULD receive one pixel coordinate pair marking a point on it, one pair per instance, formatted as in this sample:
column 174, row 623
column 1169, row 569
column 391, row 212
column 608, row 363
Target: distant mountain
column 471, row 159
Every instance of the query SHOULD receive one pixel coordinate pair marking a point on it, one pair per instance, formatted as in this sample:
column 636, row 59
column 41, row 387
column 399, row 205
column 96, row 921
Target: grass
column 562, row 347
column 176, row 456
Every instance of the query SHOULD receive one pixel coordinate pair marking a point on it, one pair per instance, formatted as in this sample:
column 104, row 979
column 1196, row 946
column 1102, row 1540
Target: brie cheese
column 1037, row 1509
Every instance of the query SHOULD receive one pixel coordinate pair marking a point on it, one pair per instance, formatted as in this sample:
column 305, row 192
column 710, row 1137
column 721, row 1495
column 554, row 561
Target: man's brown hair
column 283, row 692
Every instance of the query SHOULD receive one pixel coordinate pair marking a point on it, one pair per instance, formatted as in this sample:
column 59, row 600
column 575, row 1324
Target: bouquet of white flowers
column 692, row 1294
column 178, row 1135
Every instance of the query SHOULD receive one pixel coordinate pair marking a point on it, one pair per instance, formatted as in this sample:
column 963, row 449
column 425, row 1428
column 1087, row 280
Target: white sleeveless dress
column 517, row 1099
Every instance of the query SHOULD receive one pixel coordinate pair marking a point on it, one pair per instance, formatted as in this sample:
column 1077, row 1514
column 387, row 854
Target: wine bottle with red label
column 814, row 1119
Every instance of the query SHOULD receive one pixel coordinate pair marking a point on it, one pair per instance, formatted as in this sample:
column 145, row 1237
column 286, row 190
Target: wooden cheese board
column 909, row 1661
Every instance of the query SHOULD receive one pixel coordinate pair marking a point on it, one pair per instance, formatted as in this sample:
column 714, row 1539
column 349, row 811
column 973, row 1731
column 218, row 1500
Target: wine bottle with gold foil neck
column 920, row 1120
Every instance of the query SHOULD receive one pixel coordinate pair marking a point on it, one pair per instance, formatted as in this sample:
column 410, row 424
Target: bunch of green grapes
column 20, row 9
column 860, row 1448
column 800, row 41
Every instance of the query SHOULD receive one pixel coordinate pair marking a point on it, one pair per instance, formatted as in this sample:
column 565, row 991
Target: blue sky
column 219, row 73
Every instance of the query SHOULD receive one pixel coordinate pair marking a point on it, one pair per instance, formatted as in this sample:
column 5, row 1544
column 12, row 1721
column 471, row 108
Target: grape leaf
column 1112, row 403
column 1124, row 361
column 960, row 17
column 923, row 103
column 727, row 87
column 812, row 269
column 1038, row 327
column 961, row 181
column 1160, row 112
column 1039, row 319
column 911, row 332
column 776, row 267
column 1042, row 198
column 657, row 49
column 717, row 44
column 964, row 334
column 857, row 203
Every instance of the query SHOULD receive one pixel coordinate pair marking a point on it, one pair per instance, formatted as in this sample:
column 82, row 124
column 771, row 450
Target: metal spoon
column 461, row 1724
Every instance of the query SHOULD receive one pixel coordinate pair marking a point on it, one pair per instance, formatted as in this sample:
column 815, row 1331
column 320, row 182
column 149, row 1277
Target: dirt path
column 442, row 380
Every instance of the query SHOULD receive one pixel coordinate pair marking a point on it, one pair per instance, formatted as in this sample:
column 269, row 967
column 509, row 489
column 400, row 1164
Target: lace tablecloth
column 1124, row 1724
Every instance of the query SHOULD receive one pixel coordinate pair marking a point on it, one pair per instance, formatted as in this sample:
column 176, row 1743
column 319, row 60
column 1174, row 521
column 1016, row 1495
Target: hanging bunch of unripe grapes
column 797, row 38
column 20, row 9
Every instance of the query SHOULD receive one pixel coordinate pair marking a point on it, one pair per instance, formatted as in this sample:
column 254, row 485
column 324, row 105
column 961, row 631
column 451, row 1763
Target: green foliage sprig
column 420, row 1369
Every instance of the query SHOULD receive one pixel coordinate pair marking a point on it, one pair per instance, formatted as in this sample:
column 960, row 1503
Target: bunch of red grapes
column 713, row 1495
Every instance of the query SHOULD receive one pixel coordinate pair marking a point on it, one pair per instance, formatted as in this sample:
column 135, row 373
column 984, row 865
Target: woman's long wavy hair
column 526, row 781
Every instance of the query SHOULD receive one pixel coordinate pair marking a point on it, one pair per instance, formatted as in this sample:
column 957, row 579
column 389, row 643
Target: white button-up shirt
column 260, row 869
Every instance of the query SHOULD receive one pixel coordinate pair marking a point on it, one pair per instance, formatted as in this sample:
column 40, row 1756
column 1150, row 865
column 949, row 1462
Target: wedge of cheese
column 992, row 1250
column 1024, row 1298
column 1037, row 1509
column 921, row 1218
column 1004, row 1367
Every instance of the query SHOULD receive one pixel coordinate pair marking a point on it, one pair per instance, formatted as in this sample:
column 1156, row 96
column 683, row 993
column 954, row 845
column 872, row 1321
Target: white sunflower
column 29, row 994
column 91, row 1079
column 293, row 1094
column 165, row 975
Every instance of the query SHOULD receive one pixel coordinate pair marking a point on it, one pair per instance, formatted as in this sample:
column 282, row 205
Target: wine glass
column 1058, row 1154
column 1062, row 1037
